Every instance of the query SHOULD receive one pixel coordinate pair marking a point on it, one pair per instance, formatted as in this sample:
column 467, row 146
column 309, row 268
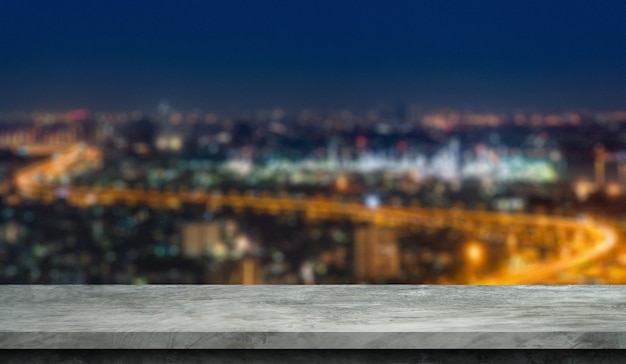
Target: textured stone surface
column 312, row 317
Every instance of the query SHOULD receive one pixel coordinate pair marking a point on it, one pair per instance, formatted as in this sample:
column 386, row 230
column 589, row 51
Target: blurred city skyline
column 326, row 142
column 243, row 55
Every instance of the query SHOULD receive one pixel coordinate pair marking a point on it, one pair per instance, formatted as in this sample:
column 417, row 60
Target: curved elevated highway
column 591, row 238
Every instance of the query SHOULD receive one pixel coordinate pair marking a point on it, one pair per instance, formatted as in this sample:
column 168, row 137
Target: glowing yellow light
column 583, row 189
column 341, row 183
column 613, row 189
column 176, row 143
column 161, row 143
column 474, row 252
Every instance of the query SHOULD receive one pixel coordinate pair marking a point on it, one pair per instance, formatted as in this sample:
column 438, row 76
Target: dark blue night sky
column 236, row 54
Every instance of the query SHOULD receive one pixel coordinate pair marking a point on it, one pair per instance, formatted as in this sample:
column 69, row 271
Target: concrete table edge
column 312, row 317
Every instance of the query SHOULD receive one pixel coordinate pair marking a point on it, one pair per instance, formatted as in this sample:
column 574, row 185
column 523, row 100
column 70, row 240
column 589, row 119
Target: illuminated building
column 613, row 189
column 620, row 160
column 600, row 165
column 248, row 271
column 376, row 254
column 198, row 238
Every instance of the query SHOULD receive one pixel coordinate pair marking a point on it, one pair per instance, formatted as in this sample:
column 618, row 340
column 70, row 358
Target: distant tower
column 164, row 112
column 620, row 161
column 600, row 165
column 333, row 151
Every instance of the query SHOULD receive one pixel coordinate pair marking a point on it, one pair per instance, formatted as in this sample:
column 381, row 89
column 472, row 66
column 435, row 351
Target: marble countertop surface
column 312, row 317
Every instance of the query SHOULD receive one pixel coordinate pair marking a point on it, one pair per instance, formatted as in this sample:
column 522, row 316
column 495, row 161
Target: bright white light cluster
column 446, row 164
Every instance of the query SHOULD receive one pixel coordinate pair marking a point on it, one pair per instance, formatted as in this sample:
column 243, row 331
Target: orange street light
column 475, row 254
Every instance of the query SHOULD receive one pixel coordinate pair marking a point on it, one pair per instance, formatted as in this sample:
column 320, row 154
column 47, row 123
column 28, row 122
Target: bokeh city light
column 313, row 143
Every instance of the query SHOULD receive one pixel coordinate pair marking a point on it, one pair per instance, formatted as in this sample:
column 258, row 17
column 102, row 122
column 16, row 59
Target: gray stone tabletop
column 312, row 317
